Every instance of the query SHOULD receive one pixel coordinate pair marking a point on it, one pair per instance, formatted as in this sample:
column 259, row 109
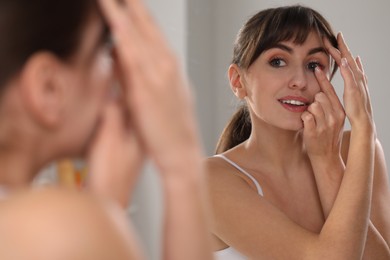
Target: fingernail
column 344, row 62
column 317, row 69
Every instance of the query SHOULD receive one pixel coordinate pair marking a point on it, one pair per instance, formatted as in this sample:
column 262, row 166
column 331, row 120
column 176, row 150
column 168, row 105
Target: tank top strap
column 235, row 165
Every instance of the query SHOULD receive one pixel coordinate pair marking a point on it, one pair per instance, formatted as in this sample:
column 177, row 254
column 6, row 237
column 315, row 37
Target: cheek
column 314, row 86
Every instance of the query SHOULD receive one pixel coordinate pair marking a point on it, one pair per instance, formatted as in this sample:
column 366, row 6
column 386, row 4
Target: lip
column 294, row 108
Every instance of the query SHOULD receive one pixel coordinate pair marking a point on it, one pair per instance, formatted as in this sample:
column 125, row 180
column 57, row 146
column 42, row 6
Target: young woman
column 57, row 70
column 287, row 182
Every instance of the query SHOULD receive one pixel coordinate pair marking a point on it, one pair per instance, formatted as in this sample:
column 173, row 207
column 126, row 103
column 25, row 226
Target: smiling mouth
column 294, row 102
column 294, row 105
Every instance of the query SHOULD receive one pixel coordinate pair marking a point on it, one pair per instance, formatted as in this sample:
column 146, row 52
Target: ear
column 43, row 88
column 236, row 84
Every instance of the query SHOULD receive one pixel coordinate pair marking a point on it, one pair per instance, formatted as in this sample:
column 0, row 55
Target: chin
column 292, row 125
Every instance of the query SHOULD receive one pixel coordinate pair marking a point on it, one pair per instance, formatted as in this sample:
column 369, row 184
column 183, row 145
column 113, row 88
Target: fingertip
column 340, row 36
column 318, row 72
column 359, row 63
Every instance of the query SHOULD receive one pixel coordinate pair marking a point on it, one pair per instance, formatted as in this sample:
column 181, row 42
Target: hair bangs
column 285, row 24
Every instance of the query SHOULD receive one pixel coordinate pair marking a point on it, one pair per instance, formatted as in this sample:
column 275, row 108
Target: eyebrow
column 290, row 50
column 316, row 50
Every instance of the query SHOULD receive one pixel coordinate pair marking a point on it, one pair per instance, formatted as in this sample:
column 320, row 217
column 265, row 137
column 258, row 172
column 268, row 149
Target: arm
column 328, row 178
column 380, row 209
column 328, row 165
column 160, row 108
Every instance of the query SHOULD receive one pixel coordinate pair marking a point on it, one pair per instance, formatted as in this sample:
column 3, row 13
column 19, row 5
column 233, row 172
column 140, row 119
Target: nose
column 298, row 78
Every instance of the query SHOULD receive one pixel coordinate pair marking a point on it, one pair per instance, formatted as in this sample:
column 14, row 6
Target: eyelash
column 317, row 64
column 273, row 61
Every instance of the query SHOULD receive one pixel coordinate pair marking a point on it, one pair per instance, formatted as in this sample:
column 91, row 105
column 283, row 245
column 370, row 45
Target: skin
column 322, row 219
column 115, row 132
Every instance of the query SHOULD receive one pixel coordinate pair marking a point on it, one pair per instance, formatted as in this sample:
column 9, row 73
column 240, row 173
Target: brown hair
column 260, row 33
column 27, row 27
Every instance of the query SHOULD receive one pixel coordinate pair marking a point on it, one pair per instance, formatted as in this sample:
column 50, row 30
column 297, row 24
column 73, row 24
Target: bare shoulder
column 55, row 223
column 222, row 177
column 214, row 165
column 218, row 172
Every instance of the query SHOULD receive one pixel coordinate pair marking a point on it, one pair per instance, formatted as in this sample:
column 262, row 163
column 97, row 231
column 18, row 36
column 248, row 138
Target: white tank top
column 230, row 253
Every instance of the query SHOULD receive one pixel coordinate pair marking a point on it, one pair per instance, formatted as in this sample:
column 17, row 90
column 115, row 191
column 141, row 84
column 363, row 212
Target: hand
column 156, row 93
column 323, row 122
column 356, row 96
column 115, row 157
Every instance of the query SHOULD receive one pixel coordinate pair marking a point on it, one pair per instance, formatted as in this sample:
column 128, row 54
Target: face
column 89, row 78
column 280, row 84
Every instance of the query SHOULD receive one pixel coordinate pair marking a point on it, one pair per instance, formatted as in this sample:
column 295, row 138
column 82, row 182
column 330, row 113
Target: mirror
column 213, row 25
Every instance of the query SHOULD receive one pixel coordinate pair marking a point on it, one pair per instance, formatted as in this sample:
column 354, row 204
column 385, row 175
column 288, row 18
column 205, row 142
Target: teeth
column 293, row 102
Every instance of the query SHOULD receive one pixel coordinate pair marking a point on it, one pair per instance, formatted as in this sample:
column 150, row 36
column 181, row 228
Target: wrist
column 365, row 128
column 180, row 164
column 365, row 133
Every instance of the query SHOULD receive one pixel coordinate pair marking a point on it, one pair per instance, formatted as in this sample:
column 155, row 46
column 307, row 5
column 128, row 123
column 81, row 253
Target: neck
column 20, row 162
column 15, row 172
column 281, row 149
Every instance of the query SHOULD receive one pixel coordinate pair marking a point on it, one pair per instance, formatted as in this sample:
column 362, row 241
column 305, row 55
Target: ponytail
column 237, row 130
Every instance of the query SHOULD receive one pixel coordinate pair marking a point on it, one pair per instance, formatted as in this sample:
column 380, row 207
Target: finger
column 111, row 11
column 309, row 124
column 133, row 53
column 365, row 83
column 359, row 64
column 333, row 51
column 318, row 113
column 348, row 76
column 125, row 37
column 346, row 52
column 361, row 67
column 326, row 104
column 334, row 116
column 144, row 22
column 327, row 88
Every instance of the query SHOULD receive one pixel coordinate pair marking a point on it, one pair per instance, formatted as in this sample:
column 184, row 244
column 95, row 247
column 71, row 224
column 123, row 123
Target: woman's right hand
column 356, row 96
column 156, row 92
column 115, row 157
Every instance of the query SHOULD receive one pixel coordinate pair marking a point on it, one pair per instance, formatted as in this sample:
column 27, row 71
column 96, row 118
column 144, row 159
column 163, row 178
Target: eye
column 312, row 65
column 277, row 62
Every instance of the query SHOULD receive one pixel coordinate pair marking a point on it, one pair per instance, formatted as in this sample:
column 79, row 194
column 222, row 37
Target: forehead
column 313, row 40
